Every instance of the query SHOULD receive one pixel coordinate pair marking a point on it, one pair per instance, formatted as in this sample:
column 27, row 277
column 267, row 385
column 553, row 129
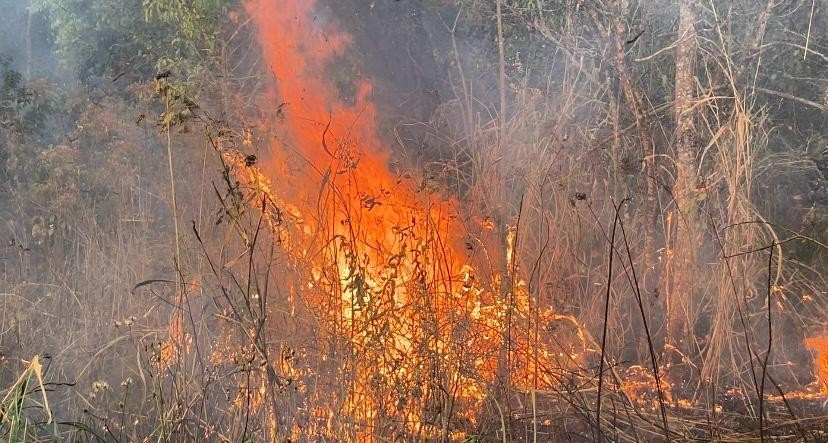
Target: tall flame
column 387, row 273
column 338, row 140
column 370, row 234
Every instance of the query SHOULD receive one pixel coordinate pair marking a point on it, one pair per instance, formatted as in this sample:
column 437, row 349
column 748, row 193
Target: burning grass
column 436, row 326
column 337, row 292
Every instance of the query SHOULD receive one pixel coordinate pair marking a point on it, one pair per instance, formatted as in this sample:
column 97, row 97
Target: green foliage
column 16, row 421
column 12, row 92
column 14, row 97
column 24, row 114
column 89, row 33
column 193, row 28
column 96, row 37
column 99, row 38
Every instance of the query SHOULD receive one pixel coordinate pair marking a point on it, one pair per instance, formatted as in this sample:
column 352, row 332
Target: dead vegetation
column 584, row 243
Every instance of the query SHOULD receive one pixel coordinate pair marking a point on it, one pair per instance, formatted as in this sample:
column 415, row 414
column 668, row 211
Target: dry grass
column 264, row 332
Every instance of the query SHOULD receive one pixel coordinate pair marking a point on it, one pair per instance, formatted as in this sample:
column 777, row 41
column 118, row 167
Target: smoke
column 427, row 256
column 26, row 39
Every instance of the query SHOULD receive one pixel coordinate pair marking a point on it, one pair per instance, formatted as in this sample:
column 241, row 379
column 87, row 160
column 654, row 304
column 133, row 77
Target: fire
column 375, row 244
column 820, row 347
column 336, row 142
column 639, row 386
column 340, row 175
column 417, row 328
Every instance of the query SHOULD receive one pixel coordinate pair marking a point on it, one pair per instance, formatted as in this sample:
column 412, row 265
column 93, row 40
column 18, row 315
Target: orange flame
column 336, row 140
column 820, row 347
column 388, row 274
column 369, row 234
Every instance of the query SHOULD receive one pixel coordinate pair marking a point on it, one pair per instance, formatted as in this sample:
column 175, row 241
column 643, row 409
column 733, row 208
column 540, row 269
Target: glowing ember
column 820, row 347
column 640, row 387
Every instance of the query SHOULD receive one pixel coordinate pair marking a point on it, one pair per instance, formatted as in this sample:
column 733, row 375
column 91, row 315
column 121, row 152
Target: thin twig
column 604, row 332
column 770, row 347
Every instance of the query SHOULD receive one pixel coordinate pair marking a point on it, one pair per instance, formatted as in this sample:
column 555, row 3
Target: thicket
column 683, row 140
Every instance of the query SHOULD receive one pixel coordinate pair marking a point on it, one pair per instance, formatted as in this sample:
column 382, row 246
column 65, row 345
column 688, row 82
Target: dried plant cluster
column 587, row 239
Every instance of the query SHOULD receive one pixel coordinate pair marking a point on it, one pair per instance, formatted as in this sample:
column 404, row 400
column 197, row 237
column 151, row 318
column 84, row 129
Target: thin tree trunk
column 648, row 149
column 29, row 44
column 501, row 52
column 504, row 357
column 681, row 256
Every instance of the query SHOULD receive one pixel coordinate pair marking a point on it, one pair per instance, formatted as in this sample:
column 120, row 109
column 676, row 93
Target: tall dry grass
column 234, row 345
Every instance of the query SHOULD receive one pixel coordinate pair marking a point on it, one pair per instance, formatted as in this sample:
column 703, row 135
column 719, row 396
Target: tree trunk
column 679, row 277
column 649, row 156
column 29, row 45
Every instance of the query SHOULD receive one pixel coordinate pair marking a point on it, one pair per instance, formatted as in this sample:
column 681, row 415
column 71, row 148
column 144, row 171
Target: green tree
column 100, row 37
